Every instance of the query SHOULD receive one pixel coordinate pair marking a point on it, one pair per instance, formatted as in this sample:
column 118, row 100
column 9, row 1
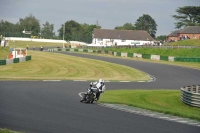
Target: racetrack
column 50, row 106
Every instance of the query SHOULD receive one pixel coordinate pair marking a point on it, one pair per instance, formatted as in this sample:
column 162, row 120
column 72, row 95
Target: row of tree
column 29, row 23
column 72, row 30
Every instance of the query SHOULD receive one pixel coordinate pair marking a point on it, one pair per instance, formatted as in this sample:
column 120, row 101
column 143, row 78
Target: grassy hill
column 31, row 44
column 189, row 42
column 194, row 52
column 4, row 52
column 181, row 52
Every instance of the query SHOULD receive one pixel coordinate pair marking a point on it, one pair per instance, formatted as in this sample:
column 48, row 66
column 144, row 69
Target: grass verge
column 164, row 101
column 189, row 42
column 8, row 131
column 31, row 44
column 4, row 53
column 55, row 66
column 193, row 52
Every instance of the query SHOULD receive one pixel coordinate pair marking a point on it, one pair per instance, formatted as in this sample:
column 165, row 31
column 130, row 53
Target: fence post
column 197, row 89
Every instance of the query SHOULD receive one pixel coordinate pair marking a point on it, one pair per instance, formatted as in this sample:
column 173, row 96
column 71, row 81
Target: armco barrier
column 171, row 58
column 111, row 52
column 98, row 51
column 9, row 61
column 185, row 59
column 123, row 54
column 50, row 49
column 71, row 50
column 155, row 57
column 146, row 56
column 22, row 59
column 85, row 50
column 2, row 62
column 14, row 60
column 106, row 51
column 118, row 54
column 191, row 95
column 166, row 58
column 80, row 50
column 137, row 55
column 90, row 51
column 130, row 55
column 28, row 58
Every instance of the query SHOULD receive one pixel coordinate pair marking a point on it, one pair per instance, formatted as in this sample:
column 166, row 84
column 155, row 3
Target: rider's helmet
column 101, row 81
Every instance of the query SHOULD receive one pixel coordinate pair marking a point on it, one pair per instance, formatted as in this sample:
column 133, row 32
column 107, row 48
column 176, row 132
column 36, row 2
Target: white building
column 107, row 37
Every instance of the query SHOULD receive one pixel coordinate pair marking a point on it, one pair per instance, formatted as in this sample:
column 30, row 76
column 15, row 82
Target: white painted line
column 51, row 80
column 183, row 121
column 141, row 81
column 80, row 80
column 162, row 117
column 151, row 114
column 173, row 119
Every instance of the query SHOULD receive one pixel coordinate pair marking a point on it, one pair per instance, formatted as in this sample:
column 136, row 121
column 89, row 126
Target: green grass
column 165, row 101
column 31, row 44
column 4, row 53
column 55, row 66
column 189, row 42
column 8, row 131
column 194, row 52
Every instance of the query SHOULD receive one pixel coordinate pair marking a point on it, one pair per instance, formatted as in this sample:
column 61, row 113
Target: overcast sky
column 109, row 13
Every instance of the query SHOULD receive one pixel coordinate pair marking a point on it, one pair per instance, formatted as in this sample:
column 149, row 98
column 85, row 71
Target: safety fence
column 131, row 55
column 15, row 60
column 142, row 46
column 191, row 95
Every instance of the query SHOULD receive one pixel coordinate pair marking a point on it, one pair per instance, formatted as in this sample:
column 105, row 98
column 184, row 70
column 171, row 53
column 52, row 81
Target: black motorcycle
column 89, row 96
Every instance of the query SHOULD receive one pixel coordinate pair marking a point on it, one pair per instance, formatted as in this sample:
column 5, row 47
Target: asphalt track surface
column 54, row 107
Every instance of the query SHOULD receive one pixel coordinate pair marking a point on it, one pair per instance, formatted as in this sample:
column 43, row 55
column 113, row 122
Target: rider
column 100, row 86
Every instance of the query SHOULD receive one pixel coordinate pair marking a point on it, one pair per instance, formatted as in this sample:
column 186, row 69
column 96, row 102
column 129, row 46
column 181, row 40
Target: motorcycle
column 89, row 96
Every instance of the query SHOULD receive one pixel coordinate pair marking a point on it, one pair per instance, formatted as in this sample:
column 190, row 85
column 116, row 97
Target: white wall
column 42, row 40
column 107, row 42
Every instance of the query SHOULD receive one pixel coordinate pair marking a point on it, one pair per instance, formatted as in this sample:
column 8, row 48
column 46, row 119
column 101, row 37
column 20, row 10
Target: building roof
column 175, row 33
column 122, row 34
column 191, row 29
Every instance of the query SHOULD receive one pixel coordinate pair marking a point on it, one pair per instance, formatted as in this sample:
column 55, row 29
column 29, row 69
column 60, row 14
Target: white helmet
column 101, row 81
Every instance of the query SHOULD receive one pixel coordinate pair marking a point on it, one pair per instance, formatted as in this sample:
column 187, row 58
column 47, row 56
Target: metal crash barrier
column 191, row 95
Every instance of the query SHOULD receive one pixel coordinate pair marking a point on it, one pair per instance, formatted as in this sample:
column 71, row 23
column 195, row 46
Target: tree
column 77, row 32
column 72, row 29
column 86, row 33
column 30, row 23
column 126, row 26
column 6, row 28
column 187, row 16
column 161, row 38
column 47, row 30
column 146, row 23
